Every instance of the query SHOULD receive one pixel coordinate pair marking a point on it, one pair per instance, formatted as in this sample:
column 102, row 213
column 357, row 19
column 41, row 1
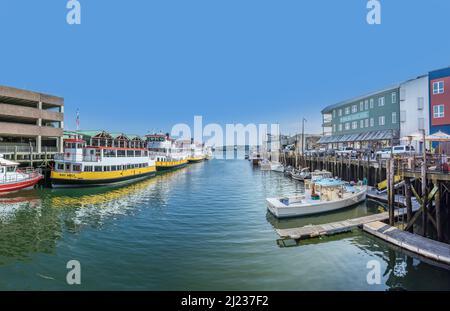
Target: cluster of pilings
column 430, row 188
column 346, row 168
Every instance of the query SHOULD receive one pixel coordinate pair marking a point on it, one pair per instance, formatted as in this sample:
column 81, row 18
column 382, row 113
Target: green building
column 369, row 121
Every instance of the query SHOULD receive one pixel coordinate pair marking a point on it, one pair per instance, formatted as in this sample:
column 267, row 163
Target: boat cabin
column 103, row 148
column 7, row 169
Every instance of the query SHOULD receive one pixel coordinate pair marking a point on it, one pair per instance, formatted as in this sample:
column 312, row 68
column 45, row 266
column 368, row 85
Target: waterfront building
column 30, row 123
column 414, row 109
column 378, row 119
column 368, row 121
column 439, row 94
column 311, row 142
column 98, row 159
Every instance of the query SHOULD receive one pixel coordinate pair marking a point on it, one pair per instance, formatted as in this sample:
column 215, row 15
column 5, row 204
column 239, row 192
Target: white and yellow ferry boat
column 106, row 159
column 197, row 153
column 167, row 154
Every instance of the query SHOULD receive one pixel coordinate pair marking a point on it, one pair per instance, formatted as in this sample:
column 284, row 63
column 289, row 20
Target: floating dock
column 415, row 243
column 312, row 231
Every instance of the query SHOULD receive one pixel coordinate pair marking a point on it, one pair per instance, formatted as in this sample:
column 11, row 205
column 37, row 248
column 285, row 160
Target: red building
column 440, row 100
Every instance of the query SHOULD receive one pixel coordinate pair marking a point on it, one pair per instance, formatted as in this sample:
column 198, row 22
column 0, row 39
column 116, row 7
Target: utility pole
column 303, row 141
column 303, row 135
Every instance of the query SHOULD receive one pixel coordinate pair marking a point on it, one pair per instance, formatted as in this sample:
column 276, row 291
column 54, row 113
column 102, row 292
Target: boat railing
column 75, row 158
column 22, row 174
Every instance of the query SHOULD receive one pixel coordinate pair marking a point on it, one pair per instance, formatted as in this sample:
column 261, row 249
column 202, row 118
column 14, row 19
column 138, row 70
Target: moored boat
column 301, row 174
column 323, row 196
column 166, row 153
column 196, row 153
column 107, row 159
column 13, row 178
column 277, row 167
column 255, row 158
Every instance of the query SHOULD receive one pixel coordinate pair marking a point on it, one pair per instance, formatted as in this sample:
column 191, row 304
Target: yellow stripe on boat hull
column 195, row 159
column 170, row 164
column 108, row 177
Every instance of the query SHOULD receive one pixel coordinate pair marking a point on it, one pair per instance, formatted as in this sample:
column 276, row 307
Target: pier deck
column 415, row 243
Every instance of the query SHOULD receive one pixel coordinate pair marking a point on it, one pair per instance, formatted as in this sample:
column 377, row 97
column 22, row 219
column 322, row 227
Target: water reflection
column 33, row 221
column 26, row 227
column 402, row 269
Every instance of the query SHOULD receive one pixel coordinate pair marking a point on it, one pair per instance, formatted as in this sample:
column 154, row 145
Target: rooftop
column 329, row 109
column 11, row 95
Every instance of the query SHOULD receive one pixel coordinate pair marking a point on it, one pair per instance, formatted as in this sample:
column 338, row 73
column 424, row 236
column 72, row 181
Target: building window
column 380, row 101
column 438, row 111
column 347, row 126
column 334, row 113
column 420, row 101
column 403, row 116
column 438, row 87
column 340, row 112
column 394, row 117
column 366, row 104
column 354, row 125
column 381, row 121
column 347, row 110
column 371, row 103
column 361, row 124
column 421, row 124
column 340, row 127
column 334, row 128
column 361, row 106
column 394, row 98
column 354, row 108
column 366, row 122
column 372, row 122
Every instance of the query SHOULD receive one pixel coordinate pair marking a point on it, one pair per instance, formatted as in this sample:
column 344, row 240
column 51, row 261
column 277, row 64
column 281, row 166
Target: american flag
column 78, row 120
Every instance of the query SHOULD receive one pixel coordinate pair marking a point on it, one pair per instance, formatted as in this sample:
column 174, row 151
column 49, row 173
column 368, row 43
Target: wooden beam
column 408, row 194
column 437, row 204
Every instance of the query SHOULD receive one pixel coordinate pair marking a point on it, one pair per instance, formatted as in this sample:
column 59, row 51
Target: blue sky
column 141, row 65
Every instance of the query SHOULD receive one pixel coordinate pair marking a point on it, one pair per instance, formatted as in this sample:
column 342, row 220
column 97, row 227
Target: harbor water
column 204, row 227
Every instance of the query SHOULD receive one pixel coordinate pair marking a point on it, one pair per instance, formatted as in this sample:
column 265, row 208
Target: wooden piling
column 408, row 201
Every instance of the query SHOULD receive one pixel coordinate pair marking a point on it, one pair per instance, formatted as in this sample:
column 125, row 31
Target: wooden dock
column 415, row 243
column 313, row 231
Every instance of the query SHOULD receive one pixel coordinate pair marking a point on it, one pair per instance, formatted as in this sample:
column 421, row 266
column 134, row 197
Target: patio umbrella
column 438, row 137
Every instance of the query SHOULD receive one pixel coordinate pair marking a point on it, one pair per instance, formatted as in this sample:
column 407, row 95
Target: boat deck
column 415, row 243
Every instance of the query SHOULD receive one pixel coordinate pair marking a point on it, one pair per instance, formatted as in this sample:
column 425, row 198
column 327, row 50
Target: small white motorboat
column 13, row 178
column 288, row 170
column 301, row 175
column 277, row 167
column 320, row 196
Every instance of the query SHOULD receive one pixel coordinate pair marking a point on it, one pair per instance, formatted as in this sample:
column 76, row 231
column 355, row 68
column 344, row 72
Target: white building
column 414, row 108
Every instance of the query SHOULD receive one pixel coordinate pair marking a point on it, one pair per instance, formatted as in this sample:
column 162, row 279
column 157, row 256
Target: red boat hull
column 20, row 185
